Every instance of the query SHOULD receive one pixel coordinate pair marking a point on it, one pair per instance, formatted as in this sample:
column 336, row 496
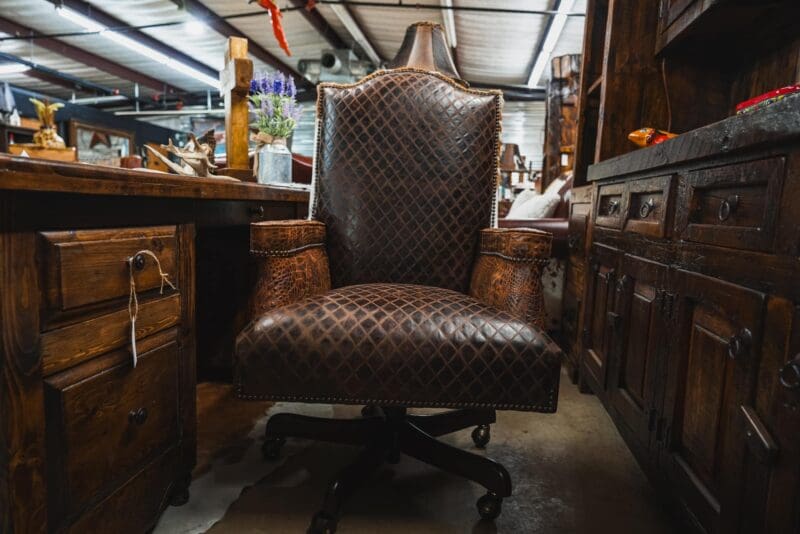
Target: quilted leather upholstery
column 398, row 344
column 406, row 168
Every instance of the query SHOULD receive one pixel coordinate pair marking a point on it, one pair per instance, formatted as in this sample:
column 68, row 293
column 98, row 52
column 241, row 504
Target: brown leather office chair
column 395, row 295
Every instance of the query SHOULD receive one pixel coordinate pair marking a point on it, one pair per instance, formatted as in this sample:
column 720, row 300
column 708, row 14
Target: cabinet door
column 632, row 396
column 711, row 376
column 599, row 319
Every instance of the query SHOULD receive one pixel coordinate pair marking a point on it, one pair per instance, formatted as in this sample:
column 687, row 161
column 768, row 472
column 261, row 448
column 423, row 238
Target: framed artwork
column 100, row 145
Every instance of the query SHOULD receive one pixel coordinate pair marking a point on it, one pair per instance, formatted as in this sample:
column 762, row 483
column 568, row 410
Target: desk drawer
column 610, row 206
column 90, row 266
column 106, row 420
column 649, row 204
column 732, row 206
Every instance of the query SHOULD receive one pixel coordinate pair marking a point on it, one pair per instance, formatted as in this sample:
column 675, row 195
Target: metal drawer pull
column 613, row 207
column 139, row 262
column 789, row 374
column 739, row 344
column 647, row 208
column 138, row 417
column 727, row 207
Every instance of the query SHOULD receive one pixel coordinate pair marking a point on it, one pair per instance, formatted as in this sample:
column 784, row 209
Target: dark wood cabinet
column 712, row 370
column 602, row 322
column 643, row 306
column 692, row 321
column 580, row 212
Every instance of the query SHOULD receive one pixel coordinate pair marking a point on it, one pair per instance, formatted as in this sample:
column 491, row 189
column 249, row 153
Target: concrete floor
column 571, row 472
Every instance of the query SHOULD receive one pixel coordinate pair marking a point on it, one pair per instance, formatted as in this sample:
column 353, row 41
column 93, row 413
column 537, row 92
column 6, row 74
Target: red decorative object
column 277, row 26
column 767, row 98
column 644, row 137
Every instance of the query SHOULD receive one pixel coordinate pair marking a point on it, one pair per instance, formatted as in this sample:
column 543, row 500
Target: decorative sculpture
column 47, row 136
column 197, row 157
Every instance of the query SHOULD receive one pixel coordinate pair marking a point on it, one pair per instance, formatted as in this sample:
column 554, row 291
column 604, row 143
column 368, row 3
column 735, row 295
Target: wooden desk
column 86, row 439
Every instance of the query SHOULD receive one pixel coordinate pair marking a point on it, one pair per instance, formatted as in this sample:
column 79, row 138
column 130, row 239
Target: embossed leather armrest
column 508, row 271
column 291, row 262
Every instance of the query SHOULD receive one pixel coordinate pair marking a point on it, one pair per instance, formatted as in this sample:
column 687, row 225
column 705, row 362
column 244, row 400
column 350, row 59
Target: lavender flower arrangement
column 274, row 104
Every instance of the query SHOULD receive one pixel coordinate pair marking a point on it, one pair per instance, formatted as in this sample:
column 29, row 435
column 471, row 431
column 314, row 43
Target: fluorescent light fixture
column 13, row 68
column 131, row 44
column 550, row 41
column 449, row 22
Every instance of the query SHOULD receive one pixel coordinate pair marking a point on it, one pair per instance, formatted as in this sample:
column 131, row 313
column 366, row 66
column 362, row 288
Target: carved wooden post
column 234, row 86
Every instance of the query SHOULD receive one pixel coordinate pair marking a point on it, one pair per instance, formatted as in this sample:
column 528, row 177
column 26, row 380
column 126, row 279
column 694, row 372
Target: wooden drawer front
column 649, row 204
column 72, row 344
column 733, row 206
column 141, row 498
column 90, row 266
column 106, row 420
column 610, row 206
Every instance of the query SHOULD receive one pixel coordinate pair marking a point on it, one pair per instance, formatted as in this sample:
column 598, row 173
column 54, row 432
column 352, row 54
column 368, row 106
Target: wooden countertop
column 29, row 174
column 772, row 125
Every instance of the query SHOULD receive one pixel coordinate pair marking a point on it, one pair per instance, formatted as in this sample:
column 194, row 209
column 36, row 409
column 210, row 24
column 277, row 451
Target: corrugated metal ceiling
column 493, row 48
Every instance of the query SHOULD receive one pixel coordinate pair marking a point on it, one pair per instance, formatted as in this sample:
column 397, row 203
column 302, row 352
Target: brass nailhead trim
column 288, row 252
column 548, row 407
column 521, row 259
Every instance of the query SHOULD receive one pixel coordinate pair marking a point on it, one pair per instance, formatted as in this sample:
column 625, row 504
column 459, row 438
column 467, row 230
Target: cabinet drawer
column 107, row 419
column 730, row 206
column 610, row 206
column 72, row 344
column 90, row 266
column 649, row 204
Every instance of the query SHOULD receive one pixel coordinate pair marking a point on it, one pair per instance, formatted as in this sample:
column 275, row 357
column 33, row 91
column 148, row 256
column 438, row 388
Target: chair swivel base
column 386, row 433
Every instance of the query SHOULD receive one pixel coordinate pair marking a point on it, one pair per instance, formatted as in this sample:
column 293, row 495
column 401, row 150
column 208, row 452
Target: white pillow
column 555, row 185
column 523, row 196
column 537, row 207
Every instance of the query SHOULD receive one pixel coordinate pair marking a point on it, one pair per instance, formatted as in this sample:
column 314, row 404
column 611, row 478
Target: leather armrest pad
column 516, row 244
column 290, row 264
column 282, row 238
column 508, row 271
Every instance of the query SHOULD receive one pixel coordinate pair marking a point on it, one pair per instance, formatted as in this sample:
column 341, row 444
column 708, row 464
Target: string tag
column 133, row 301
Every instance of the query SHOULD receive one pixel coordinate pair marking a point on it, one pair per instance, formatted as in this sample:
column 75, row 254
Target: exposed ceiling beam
column 358, row 35
column 315, row 18
column 225, row 28
column 52, row 76
column 105, row 19
column 82, row 56
column 513, row 92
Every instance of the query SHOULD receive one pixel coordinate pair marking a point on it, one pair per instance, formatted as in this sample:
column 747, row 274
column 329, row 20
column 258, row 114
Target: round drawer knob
column 138, row 416
column 613, row 207
column 727, row 207
column 257, row 211
column 139, row 262
column 647, row 208
column 789, row 374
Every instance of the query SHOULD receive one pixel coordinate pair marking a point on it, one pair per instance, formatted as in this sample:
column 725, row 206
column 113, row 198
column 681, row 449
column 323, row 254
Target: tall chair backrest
column 404, row 177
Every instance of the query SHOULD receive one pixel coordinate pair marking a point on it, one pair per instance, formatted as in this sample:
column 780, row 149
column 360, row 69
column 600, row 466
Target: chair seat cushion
column 398, row 344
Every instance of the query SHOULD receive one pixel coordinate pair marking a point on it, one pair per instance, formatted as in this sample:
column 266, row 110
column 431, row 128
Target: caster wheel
column 370, row 410
column 271, row 448
column 481, row 435
column 489, row 506
column 179, row 498
column 322, row 523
